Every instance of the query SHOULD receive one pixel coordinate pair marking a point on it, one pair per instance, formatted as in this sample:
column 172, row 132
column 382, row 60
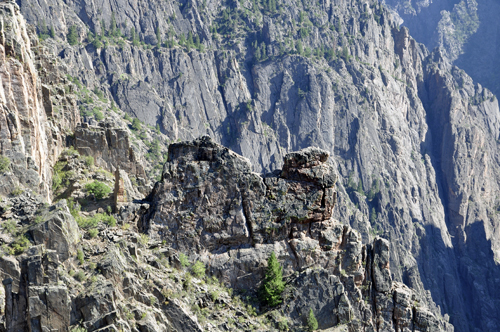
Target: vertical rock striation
column 27, row 137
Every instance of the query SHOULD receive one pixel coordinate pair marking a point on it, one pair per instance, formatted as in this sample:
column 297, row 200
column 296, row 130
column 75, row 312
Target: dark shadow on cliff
column 426, row 32
column 481, row 56
column 458, row 277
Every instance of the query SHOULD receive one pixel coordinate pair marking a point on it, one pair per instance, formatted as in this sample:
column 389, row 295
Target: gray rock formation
column 412, row 138
column 110, row 147
column 27, row 137
column 210, row 204
column 466, row 30
column 57, row 231
column 40, row 302
column 254, row 209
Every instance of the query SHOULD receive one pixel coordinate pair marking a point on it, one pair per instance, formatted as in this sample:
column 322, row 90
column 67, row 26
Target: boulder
column 58, row 230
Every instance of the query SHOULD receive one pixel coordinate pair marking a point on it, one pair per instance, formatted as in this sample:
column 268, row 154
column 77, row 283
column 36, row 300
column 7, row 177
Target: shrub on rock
column 97, row 188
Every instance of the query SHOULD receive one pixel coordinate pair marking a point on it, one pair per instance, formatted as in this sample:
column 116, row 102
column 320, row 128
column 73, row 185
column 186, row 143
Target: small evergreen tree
column 158, row 37
column 112, row 25
column 197, row 42
column 257, row 53
column 182, row 39
column 373, row 215
column 132, row 33
column 273, row 285
column 312, row 322
column 299, row 47
column 43, row 28
column 136, row 124
column 134, row 36
column 103, row 28
column 72, row 36
column 263, row 48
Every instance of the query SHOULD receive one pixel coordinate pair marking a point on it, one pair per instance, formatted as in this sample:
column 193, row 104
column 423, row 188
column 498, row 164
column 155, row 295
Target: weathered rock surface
column 41, row 303
column 465, row 30
column 58, row 231
column 202, row 178
column 413, row 139
column 211, row 205
column 27, row 137
column 110, row 147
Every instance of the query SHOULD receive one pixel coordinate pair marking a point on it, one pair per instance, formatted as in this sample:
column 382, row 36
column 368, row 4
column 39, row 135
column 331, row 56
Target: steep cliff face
column 466, row 30
column 464, row 141
column 28, row 138
column 413, row 140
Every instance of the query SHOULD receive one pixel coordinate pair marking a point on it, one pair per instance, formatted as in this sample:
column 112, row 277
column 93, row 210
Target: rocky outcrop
column 57, row 231
column 255, row 209
column 110, row 147
column 35, row 299
column 41, row 303
column 209, row 204
column 124, row 192
column 341, row 75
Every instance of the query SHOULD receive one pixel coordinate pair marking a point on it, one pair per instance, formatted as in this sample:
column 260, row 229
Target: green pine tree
column 134, row 36
column 158, row 37
column 257, row 54
column 112, row 25
column 43, row 28
column 103, row 28
column 359, row 189
column 72, row 35
column 197, row 42
column 299, row 47
column 312, row 322
column 273, row 285
column 373, row 216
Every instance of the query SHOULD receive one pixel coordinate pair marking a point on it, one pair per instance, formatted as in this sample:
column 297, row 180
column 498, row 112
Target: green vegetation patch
column 273, row 285
column 4, row 163
column 98, row 189
column 312, row 322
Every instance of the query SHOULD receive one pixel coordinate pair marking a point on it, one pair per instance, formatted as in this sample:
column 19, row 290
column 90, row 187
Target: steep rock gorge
column 467, row 31
column 413, row 140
